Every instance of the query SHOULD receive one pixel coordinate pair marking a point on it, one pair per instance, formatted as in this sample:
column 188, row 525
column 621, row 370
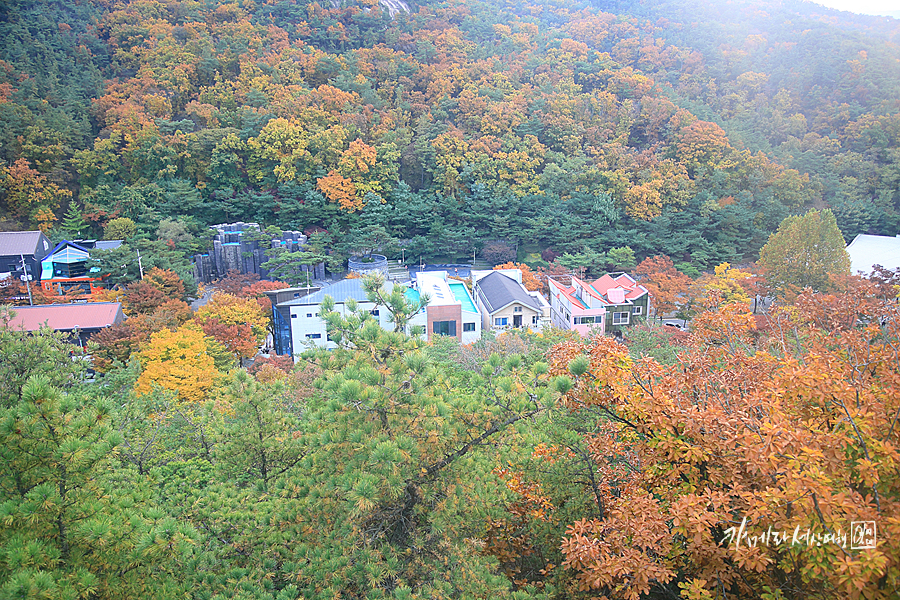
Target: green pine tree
column 74, row 224
column 71, row 526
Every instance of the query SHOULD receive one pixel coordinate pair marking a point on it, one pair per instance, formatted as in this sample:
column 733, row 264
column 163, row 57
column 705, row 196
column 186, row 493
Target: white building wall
column 308, row 328
column 469, row 337
column 559, row 307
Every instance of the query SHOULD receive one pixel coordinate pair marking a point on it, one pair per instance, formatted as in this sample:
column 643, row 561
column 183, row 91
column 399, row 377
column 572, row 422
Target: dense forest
column 533, row 465
column 755, row 454
column 673, row 127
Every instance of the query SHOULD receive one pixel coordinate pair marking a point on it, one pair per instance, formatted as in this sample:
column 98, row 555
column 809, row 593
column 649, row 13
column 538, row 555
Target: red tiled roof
column 65, row 317
column 633, row 289
column 569, row 293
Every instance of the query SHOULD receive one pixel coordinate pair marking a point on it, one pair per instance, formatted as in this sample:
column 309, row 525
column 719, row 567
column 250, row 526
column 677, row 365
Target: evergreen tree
column 73, row 223
column 27, row 353
column 398, row 469
column 69, row 528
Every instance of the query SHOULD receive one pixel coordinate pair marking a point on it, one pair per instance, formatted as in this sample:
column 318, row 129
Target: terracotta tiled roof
column 569, row 293
column 65, row 317
column 633, row 289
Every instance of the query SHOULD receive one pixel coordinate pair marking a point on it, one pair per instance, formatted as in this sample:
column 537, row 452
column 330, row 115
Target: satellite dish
column 616, row 295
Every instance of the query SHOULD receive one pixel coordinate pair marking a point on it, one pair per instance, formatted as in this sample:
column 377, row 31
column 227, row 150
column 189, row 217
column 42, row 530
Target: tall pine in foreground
column 70, row 525
column 397, row 480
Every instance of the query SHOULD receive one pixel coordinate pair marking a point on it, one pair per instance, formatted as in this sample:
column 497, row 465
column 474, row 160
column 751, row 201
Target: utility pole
column 140, row 266
column 26, row 275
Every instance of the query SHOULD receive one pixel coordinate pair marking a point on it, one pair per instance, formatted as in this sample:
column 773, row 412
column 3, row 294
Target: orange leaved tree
column 237, row 323
column 529, row 279
column 757, row 466
column 666, row 283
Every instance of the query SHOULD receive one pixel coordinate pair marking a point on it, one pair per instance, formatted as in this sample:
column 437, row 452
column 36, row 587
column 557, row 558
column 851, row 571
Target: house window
column 620, row 318
column 309, row 315
column 314, row 336
column 293, row 316
column 534, row 320
column 501, row 321
column 638, row 310
column 444, row 328
column 296, row 294
column 517, row 309
column 374, row 312
column 468, row 326
column 584, row 320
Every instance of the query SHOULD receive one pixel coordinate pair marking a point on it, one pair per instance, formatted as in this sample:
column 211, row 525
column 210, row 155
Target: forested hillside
column 673, row 127
column 751, row 451
column 533, row 466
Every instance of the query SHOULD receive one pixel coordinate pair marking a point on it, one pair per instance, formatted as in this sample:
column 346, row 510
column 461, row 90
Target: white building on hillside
column 866, row 251
column 308, row 326
column 450, row 311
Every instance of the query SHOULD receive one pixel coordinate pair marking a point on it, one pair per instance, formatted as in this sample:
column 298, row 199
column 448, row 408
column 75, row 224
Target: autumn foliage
column 178, row 361
column 795, row 431
column 237, row 323
column 529, row 279
column 666, row 284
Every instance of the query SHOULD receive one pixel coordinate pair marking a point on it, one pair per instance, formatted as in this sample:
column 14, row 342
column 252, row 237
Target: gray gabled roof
column 340, row 291
column 19, row 242
column 497, row 290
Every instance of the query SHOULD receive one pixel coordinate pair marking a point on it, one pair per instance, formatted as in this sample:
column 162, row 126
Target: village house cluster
column 463, row 308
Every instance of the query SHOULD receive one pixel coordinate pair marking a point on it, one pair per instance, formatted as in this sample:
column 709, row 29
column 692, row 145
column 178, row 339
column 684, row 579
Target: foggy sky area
column 888, row 8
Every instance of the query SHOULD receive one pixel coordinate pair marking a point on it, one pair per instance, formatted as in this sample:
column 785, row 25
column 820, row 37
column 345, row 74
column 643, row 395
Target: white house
column 450, row 311
column 505, row 304
column 308, row 327
column 866, row 251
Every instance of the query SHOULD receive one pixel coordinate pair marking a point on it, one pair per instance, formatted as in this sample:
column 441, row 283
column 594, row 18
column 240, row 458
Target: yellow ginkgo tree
column 179, row 361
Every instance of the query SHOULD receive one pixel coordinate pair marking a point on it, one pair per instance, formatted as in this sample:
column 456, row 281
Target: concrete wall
column 470, row 337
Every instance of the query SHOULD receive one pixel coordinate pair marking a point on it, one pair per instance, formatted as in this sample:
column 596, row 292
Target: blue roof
column 67, row 253
column 107, row 244
column 340, row 291
column 66, row 243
